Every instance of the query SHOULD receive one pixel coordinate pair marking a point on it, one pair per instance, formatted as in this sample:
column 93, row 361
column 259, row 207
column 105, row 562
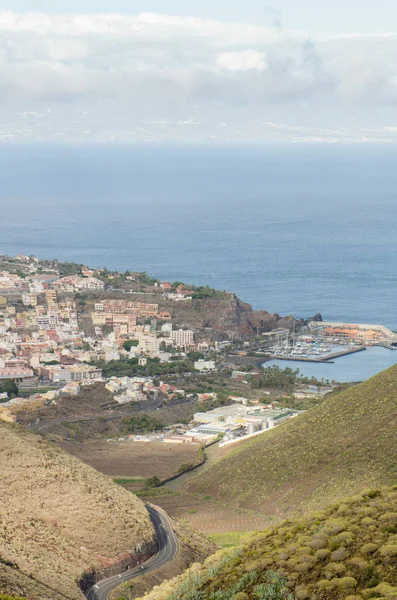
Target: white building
column 91, row 283
column 204, row 365
column 182, row 337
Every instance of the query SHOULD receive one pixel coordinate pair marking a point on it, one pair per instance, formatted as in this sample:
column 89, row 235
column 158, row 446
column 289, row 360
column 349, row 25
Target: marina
column 342, row 352
column 323, row 358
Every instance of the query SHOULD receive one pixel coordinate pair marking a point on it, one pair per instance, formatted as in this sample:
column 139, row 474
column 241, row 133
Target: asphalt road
column 168, row 548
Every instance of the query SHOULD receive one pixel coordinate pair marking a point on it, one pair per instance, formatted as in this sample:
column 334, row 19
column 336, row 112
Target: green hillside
column 346, row 552
column 343, row 445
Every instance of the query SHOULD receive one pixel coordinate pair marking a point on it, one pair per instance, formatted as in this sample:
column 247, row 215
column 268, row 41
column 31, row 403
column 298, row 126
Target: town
column 65, row 328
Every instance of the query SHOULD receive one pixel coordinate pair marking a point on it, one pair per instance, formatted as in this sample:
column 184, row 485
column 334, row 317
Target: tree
column 153, row 482
column 7, row 386
column 194, row 356
column 130, row 344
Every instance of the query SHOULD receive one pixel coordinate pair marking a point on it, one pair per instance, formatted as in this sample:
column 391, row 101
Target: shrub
column 371, row 493
column 153, row 482
column 320, row 541
column 368, row 549
column 334, row 568
column 389, row 551
column 336, row 525
column 339, row 555
column 383, row 589
column 302, row 593
column 322, row 554
column 325, row 585
column 345, row 583
column 367, row 521
column 345, row 538
column 359, row 562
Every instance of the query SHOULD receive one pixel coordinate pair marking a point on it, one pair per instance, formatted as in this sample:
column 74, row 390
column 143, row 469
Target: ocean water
column 294, row 230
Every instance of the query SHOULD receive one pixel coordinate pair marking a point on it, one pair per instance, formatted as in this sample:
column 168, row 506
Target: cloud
column 241, row 61
column 184, row 70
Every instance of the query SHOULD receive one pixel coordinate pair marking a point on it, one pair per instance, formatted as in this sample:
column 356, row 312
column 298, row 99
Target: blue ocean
column 291, row 229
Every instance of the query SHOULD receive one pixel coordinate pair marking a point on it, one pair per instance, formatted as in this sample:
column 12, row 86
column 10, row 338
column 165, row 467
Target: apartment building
column 149, row 345
column 182, row 337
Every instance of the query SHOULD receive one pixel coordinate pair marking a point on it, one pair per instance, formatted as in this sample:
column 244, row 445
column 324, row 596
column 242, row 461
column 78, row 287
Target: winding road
column 167, row 550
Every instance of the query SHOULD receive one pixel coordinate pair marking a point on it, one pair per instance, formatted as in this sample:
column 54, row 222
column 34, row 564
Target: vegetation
column 185, row 467
column 153, row 368
column 228, row 539
column 205, row 293
column 7, row 386
column 347, row 442
column 68, row 268
column 153, row 482
column 281, row 379
column 146, row 279
column 144, row 423
column 347, row 551
column 127, row 481
column 130, row 344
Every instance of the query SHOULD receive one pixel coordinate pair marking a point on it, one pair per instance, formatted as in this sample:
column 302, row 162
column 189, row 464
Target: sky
column 198, row 71
column 339, row 15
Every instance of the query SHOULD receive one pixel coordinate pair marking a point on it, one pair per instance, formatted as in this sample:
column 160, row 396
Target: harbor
column 333, row 351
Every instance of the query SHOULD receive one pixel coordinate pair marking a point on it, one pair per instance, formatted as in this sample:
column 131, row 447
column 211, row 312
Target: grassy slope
column 346, row 443
column 59, row 517
column 347, row 551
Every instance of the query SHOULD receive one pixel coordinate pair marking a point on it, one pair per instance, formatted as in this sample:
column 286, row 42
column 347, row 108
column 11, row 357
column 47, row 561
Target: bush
column 368, row 549
column 389, row 551
column 152, row 482
column 345, row 583
column 322, row 554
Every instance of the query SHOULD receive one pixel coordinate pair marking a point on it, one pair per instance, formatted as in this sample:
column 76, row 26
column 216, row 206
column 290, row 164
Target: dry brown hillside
column 60, row 518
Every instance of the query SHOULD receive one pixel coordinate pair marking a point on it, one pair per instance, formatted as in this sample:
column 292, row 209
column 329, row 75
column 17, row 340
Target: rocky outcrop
column 119, row 564
column 229, row 316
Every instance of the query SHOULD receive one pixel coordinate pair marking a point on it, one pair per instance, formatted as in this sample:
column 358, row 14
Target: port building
column 358, row 332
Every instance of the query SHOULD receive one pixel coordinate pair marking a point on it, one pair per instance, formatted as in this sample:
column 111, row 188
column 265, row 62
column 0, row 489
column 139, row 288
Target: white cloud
column 241, row 61
column 115, row 72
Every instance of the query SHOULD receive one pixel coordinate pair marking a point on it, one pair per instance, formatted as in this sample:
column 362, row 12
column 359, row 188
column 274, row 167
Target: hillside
column 221, row 315
column 348, row 551
column 60, row 519
column 346, row 443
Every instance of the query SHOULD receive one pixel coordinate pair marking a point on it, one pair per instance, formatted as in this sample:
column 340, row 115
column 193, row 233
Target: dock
column 324, row 359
